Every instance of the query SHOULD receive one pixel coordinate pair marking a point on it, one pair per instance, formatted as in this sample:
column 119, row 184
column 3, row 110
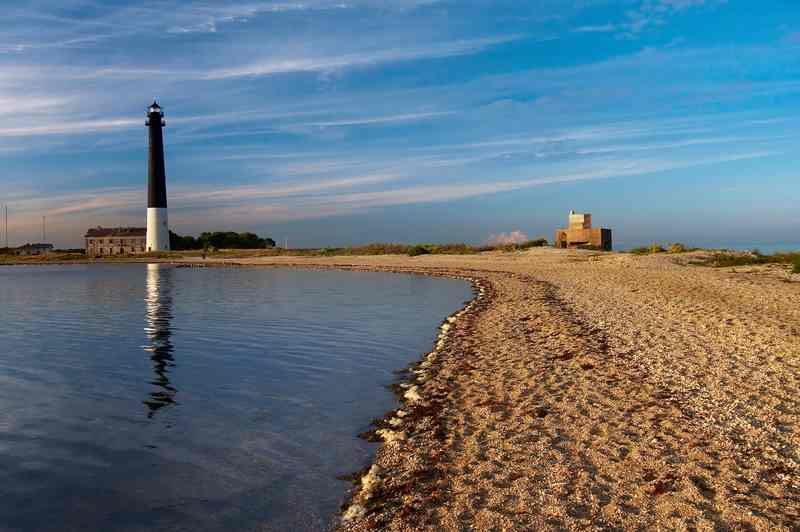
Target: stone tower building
column 580, row 234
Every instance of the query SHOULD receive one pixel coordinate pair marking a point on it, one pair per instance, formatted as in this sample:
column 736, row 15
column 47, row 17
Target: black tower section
column 156, row 175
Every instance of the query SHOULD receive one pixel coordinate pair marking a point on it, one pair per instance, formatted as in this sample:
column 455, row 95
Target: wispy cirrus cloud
column 640, row 17
column 655, row 13
column 406, row 117
column 70, row 128
column 792, row 38
column 320, row 191
column 359, row 59
column 74, row 127
column 207, row 17
column 601, row 28
column 296, row 63
column 296, row 109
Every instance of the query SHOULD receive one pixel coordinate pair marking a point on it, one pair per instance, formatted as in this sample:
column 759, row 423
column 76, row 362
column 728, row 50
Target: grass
column 537, row 243
column 675, row 247
column 729, row 259
column 721, row 259
column 10, row 258
column 412, row 250
column 368, row 249
column 648, row 250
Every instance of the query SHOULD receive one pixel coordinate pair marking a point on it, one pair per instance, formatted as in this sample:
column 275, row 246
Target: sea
column 151, row 397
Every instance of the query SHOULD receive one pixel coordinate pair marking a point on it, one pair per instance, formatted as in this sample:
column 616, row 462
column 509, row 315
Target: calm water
column 144, row 397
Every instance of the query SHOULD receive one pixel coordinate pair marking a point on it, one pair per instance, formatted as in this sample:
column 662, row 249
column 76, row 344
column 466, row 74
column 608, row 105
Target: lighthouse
column 157, row 223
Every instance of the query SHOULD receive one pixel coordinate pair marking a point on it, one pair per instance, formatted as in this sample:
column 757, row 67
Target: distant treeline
column 220, row 240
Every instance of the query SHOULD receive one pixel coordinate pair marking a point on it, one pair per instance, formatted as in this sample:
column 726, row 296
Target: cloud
column 70, row 214
column 359, row 59
column 21, row 103
column 73, row 127
column 605, row 28
column 680, row 5
column 654, row 13
column 407, row 117
column 513, row 237
column 275, row 190
column 77, row 126
column 457, row 191
column 66, row 43
column 205, row 19
column 298, row 146
column 275, row 65
column 792, row 38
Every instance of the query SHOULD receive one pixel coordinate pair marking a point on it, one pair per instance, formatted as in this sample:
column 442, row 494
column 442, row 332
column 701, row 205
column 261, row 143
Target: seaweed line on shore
column 416, row 411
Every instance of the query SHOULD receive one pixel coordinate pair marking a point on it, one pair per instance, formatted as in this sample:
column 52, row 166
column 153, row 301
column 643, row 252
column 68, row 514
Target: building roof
column 130, row 232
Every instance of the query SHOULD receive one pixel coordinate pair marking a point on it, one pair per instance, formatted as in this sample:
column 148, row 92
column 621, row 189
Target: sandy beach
column 593, row 390
column 587, row 390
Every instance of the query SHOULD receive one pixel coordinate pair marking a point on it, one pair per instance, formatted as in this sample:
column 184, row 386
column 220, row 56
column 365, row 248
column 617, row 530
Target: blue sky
column 342, row 122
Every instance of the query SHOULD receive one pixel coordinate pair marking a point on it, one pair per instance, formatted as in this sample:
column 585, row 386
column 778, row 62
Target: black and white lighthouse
column 157, row 222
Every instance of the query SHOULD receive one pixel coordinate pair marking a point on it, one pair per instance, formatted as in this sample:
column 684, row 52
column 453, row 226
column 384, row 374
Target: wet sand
column 587, row 390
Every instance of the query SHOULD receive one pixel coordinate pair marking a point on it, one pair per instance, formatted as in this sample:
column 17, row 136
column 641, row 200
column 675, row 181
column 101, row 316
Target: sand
column 589, row 390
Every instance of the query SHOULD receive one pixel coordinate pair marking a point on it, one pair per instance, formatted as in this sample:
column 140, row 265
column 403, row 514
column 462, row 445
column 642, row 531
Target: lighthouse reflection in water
column 158, row 317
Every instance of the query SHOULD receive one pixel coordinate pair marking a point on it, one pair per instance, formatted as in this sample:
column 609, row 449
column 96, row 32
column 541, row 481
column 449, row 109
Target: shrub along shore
column 264, row 247
column 205, row 246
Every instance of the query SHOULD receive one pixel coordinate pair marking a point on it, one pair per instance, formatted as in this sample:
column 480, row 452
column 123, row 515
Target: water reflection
column 158, row 317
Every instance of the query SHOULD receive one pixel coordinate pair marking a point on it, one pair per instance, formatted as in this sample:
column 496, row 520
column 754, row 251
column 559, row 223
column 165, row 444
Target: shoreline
column 395, row 425
column 539, row 411
column 582, row 389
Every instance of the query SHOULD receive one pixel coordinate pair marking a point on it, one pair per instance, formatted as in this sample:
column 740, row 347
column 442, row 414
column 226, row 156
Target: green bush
column 676, row 247
column 648, row 250
column 730, row 259
column 537, row 243
column 453, row 249
column 418, row 250
column 219, row 240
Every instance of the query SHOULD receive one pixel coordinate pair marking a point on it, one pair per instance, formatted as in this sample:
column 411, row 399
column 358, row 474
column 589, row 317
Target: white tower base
column 157, row 229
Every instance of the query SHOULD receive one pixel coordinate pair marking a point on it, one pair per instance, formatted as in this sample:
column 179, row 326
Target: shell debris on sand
column 412, row 394
column 357, row 508
column 391, row 436
column 368, row 484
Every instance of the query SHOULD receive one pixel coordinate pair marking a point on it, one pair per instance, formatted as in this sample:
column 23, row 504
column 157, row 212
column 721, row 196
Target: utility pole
column 44, row 229
column 6, row 224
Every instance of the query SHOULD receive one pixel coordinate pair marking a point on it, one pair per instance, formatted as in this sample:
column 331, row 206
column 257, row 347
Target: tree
column 221, row 240
column 183, row 243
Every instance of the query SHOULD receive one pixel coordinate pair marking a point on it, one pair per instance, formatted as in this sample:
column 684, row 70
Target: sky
column 331, row 123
